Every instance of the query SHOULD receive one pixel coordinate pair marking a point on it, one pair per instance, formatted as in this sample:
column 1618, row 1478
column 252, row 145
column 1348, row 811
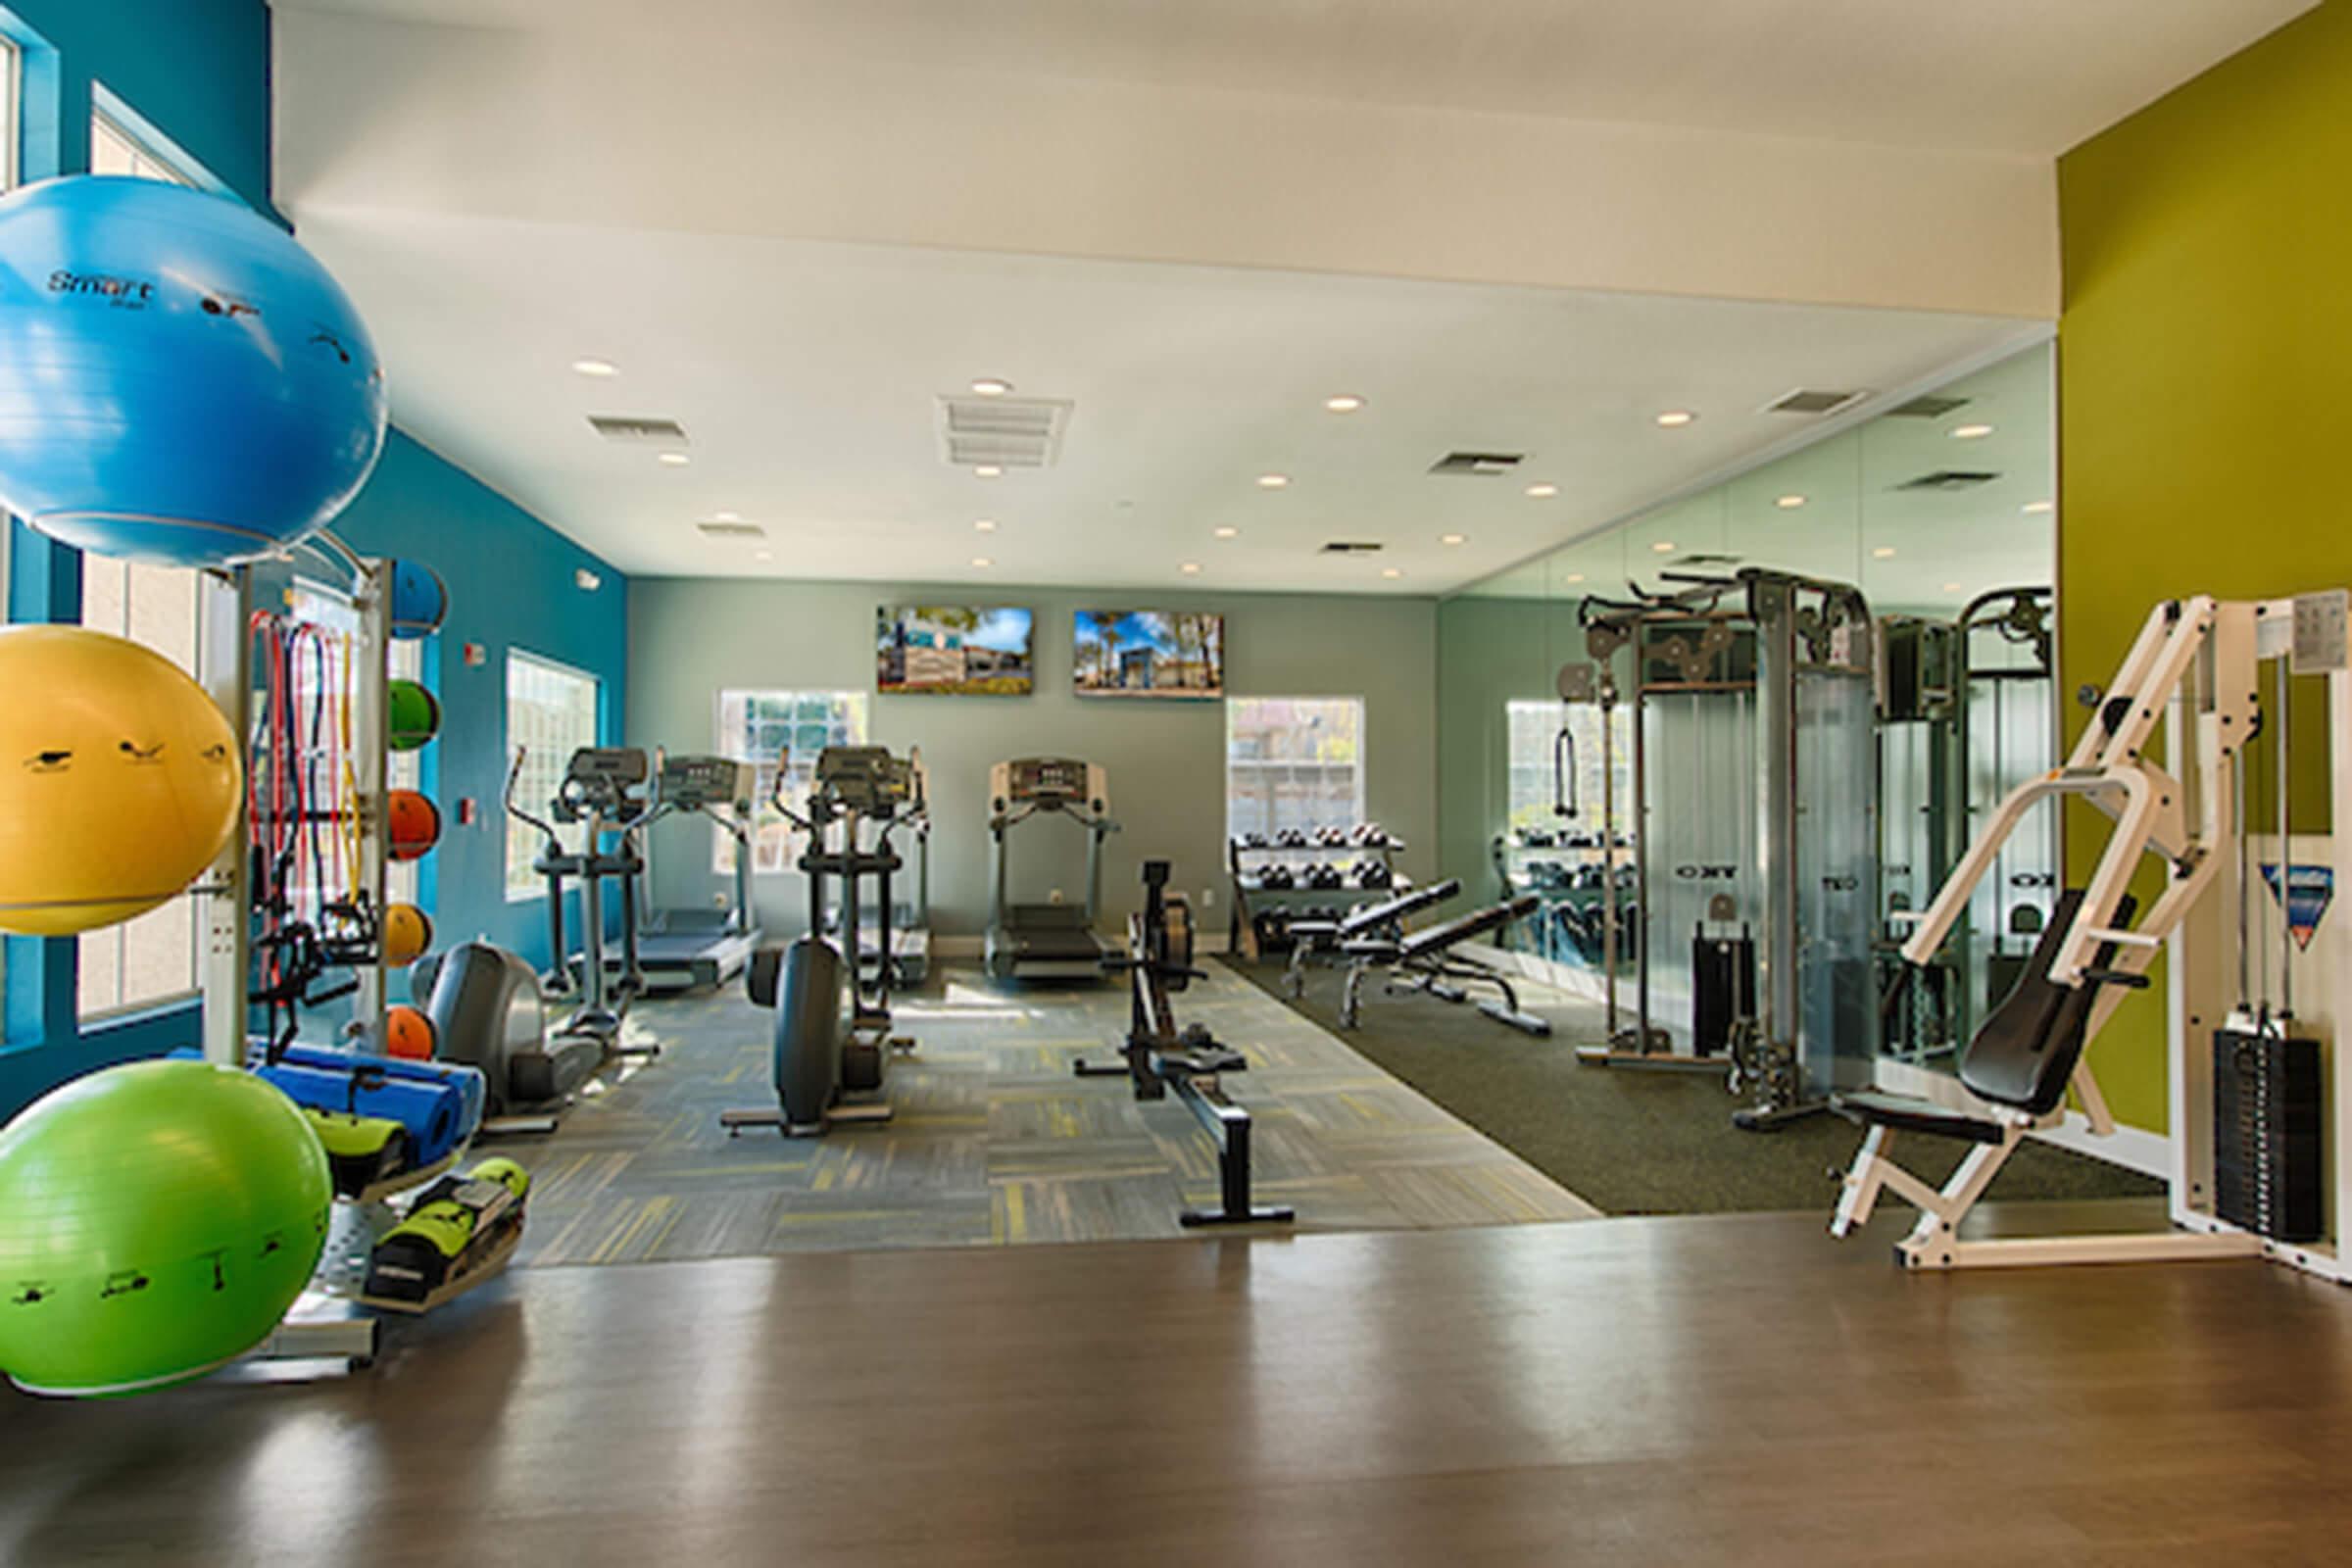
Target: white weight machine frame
column 2196, row 670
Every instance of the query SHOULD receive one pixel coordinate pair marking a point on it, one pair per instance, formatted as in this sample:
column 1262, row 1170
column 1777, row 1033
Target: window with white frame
column 12, row 102
column 1547, row 772
column 551, row 713
column 151, row 958
column 759, row 727
column 1292, row 761
column 114, row 149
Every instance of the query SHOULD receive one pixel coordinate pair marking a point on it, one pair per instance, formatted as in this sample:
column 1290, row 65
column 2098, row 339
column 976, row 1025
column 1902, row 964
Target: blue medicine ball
column 418, row 599
column 180, row 381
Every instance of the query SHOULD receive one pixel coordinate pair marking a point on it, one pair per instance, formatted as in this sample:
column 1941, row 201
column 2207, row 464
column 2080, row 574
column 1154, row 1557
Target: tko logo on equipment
column 1842, row 884
column 131, row 293
column 1706, row 873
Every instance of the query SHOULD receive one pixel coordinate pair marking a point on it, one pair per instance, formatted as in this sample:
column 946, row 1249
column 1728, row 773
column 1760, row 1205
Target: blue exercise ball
column 180, row 383
column 420, row 599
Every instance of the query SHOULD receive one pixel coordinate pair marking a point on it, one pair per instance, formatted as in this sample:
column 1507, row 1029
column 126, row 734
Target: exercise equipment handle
column 513, row 774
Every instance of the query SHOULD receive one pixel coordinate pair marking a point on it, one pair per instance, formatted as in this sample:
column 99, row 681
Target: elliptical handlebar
column 513, row 775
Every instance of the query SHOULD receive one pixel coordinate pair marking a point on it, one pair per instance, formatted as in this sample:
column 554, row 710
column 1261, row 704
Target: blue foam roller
column 433, row 1115
column 469, row 1081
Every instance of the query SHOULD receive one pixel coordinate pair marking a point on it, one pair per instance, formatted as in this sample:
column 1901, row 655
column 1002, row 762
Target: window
column 1535, row 787
column 12, row 108
column 754, row 727
column 1292, row 761
column 151, row 958
column 550, row 713
column 116, row 150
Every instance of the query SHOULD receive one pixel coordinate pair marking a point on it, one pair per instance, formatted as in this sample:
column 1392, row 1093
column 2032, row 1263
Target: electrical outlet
column 1054, row 895
column 1208, row 898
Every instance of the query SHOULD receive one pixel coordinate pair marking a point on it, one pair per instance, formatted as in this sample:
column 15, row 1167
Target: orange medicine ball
column 119, row 779
column 413, row 823
column 408, row 1034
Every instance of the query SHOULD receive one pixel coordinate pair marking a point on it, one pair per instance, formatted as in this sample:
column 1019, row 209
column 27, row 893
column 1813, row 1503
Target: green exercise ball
column 156, row 1220
column 414, row 715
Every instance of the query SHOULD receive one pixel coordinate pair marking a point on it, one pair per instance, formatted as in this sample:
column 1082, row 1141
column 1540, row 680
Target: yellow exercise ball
column 119, row 780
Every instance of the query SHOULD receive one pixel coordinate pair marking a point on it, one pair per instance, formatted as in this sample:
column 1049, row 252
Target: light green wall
column 2203, row 352
column 690, row 638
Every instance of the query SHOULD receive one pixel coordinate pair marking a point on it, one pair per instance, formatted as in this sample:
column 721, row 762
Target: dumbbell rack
column 1246, row 863
column 1522, row 868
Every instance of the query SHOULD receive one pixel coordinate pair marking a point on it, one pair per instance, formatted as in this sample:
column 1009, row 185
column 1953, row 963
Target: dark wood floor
column 1734, row 1390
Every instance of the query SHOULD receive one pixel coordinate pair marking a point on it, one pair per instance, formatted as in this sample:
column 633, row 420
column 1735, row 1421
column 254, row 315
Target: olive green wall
column 2203, row 354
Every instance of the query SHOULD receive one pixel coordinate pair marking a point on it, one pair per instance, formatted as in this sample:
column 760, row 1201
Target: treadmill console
column 1050, row 782
column 866, row 779
column 698, row 783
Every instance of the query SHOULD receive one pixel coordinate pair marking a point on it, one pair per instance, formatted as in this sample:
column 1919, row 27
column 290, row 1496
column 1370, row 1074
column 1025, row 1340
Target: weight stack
column 1722, row 972
column 2267, row 1173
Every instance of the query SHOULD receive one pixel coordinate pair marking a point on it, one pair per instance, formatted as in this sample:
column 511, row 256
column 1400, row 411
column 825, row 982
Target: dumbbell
column 1374, row 874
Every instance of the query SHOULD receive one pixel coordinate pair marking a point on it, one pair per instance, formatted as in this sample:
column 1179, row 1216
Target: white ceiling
column 806, row 376
column 794, row 223
column 2027, row 77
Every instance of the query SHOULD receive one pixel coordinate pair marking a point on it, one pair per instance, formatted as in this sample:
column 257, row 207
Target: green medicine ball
column 415, row 716
column 156, row 1220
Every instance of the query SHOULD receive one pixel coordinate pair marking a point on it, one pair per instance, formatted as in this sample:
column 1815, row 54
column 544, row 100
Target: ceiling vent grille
column 730, row 530
column 1705, row 559
column 1478, row 464
column 1352, row 547
column 639, row 432
column 1008, row 432
column 1949, row 479
column 1931, row 407
column 1808, row 400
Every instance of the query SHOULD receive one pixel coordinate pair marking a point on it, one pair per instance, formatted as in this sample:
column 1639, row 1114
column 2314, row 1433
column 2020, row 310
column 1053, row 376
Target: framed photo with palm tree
column 953, row 651
column 1150, row 653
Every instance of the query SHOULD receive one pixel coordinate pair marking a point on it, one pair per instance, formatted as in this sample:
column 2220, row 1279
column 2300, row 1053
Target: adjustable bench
column 2019, row 1065
column 1425, row 962
column 1322, row 939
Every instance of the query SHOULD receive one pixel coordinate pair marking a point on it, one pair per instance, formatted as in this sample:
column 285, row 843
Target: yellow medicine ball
column 119, row 780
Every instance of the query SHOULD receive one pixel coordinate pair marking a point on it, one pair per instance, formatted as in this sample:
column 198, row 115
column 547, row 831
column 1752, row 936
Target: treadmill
column 680, row 950
column 1047, row 941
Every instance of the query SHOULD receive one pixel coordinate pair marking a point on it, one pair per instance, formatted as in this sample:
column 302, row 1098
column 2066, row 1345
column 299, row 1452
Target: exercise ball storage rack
column 323, row 1323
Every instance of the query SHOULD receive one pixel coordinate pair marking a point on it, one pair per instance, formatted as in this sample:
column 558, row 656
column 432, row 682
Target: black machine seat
column 2023, row 1052
column 1905, row 1113
column 1462, row 928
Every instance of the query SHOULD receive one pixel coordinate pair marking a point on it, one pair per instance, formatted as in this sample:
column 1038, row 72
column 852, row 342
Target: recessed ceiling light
column 2039, row 506
column 986, row 525
column 1190, row 568
column 595, row 367
column 989, row 386
column 727, row 517
column 1951, row 587
column 986, row 470
column 1272, row 482
column 1676, row 418
column 763, row 555
column 1883, row 553
column 1454, row 538
column 1392, row 571
column 674, row 459
column 1790, row 503
column 1664, row 547
column 982, row 560
column 1543, row 492
column 1345, row 402
column 1574, row 576
column 1970, row 432
column 1227, row 533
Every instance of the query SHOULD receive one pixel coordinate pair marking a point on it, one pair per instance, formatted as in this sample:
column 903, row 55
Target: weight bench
column 2019, row 1063
column 1314, row 939
column 1425, row 961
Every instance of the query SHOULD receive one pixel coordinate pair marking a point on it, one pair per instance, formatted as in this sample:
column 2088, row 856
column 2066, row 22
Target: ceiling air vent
column 1352, row 547
column 1807, row 400
column 639, row 432
column 1008, row 432
column 1949, row 479
column 1705, row 559
column 1931, row 407
column 1477, row 465
column 730, row 530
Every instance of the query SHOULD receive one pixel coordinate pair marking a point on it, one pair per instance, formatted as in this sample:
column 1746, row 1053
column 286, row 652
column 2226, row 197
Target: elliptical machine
column 832, row 1030
column 489, row 1010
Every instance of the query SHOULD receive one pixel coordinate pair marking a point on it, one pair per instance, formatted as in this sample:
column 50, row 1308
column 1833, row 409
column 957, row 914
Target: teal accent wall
column 195, row 74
